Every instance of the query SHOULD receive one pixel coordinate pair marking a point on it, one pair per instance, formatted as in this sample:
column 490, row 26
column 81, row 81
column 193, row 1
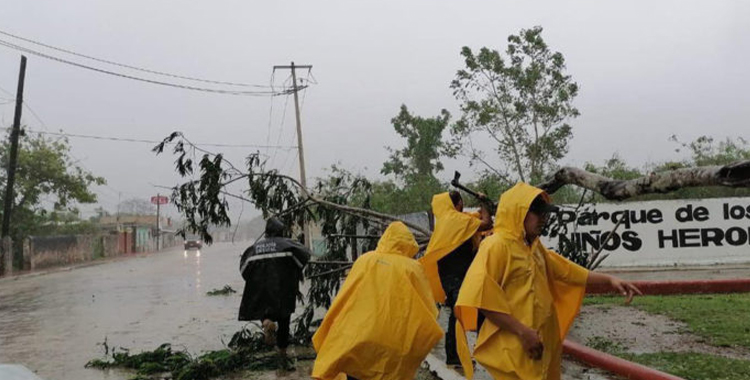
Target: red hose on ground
column 622, row 367
column 680, row 287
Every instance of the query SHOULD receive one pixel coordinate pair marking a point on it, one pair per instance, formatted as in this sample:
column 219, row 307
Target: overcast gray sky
column 647, row 70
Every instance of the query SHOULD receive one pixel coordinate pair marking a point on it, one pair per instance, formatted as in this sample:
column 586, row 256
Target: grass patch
column 225, row 291
column 694, row 366
column 722, row 319
column 688, row 365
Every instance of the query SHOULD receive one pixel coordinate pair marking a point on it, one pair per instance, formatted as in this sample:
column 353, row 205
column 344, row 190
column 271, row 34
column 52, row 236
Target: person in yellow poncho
column 528, row 294
column 383, row 322
column 449, row 254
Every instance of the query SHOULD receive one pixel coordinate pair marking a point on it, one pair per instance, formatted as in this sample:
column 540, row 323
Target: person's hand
column 483, row 197
column 626, row 288
column 531, row 343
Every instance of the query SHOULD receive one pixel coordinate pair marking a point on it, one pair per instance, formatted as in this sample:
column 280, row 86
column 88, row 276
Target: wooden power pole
column 13, row 159
column 300, row 146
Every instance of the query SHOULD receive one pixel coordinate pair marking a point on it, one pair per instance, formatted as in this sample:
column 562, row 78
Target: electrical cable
column 145, row 70
column 146, row 80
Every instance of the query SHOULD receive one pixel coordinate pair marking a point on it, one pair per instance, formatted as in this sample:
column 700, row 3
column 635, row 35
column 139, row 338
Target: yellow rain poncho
column 452, row 228
column 382, row 323
column 538, row 287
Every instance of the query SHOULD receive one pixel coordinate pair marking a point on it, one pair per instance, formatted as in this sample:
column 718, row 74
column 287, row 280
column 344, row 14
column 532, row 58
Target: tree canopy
column 49, row 185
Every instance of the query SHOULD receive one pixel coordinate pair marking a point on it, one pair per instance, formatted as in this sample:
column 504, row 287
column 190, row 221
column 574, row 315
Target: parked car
column 193, row 243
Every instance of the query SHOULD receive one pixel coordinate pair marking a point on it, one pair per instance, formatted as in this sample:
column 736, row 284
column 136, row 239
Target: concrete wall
column 40, row 252
column 49, row 251
column 663, row 233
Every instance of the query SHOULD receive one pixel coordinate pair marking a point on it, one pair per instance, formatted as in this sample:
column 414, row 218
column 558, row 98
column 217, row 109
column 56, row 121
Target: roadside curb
column 15, row 277
column 122, row 257
column 680, row 287
column 622, row 367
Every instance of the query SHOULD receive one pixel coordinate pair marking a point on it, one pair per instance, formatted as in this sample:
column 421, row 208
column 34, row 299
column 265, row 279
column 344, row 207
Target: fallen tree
column 736, row 174
column 340, row 205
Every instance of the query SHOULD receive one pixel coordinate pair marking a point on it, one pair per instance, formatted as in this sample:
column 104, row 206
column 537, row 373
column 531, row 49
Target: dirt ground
column 639, row 332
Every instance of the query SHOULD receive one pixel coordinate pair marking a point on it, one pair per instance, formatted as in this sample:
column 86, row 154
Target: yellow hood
column 452, row 228
column 397, row 240
column 513, row 207
column 382, row 323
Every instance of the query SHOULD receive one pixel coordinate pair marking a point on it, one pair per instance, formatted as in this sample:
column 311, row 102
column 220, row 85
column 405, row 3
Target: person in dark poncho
column 452, row 248
column 272, row 269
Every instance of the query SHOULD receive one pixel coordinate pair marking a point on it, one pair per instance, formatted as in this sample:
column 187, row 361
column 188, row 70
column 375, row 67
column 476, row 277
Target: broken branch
column 736, row 174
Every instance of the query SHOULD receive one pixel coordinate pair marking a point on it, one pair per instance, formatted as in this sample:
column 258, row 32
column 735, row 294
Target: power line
column 268, row 136
column 168, row 84
column 145, row 70
column 281, row 127
column 270, row 120
column 310, row 75
column 291, row 163
column 133, row 140
column 9, row 93
column 33, row 113
column 28, row 107
column 304, row 96
column 270, row 111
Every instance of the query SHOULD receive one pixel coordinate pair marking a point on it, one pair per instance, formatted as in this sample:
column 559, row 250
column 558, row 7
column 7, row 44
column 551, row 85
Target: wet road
column 52, row 323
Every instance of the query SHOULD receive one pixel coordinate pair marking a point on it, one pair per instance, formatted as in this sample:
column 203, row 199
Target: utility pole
column 300, row 147
column 14, row 135
column 158, row 230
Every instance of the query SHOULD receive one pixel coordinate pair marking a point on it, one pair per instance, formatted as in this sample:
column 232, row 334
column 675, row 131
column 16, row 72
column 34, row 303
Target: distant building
column 138, row 232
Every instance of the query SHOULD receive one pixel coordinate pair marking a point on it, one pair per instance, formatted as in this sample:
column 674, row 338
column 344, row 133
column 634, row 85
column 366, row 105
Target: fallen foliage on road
column 246, row 351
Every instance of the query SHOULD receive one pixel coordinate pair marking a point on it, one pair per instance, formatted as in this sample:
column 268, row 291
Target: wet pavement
column 53, row 324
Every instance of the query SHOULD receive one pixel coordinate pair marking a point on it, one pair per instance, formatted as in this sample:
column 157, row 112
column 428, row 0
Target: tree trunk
column 736, row 174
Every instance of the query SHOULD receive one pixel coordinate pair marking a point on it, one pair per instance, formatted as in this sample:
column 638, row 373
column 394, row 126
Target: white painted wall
column 675, row 232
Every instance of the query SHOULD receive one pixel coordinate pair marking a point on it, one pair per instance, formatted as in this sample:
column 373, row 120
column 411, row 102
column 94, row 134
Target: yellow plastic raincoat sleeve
column 480, row 290
column 452, row 228
column 568, row 288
